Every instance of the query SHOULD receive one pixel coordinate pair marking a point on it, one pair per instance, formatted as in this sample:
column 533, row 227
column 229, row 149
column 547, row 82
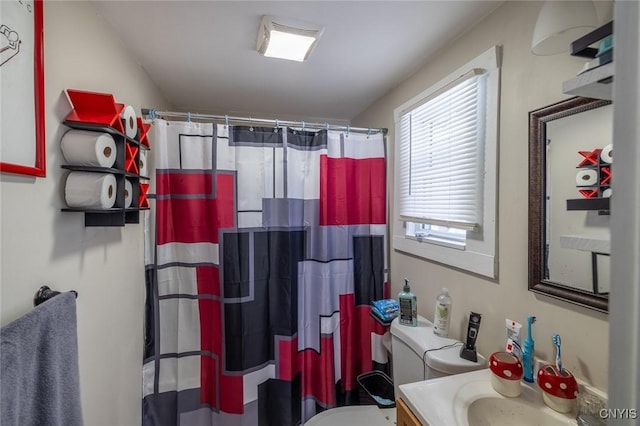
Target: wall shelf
column 585, row 243
column 600, row 204
column 98, row 112
column 597, row 82
column 581, row 47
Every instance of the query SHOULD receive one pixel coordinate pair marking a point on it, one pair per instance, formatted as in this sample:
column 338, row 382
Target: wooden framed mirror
column 569, row 229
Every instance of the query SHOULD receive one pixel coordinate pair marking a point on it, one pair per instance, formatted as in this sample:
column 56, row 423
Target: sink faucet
column 589, row 407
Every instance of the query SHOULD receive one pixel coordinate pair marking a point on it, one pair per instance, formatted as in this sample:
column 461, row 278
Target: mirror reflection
column 577, row 239
column 570, row 178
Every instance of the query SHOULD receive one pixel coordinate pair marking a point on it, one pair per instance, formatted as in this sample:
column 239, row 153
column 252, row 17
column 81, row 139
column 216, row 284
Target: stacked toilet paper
column 587, row 177
column 606, row 155
column 128, row 116
column 89, row 190
column 128, row 193
column 142, row 163
column 84, row 148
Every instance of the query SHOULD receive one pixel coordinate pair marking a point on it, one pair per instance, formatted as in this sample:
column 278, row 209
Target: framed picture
column 22, row 141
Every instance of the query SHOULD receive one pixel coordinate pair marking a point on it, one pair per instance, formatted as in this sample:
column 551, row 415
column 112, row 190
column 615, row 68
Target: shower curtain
column 264, row 248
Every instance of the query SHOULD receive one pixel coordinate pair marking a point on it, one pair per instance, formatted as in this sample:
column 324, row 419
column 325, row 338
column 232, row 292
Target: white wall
column 528, row 83
column 42, row 245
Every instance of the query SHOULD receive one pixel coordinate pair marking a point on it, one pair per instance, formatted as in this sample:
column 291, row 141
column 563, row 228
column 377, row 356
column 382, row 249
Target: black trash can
column 376, row 388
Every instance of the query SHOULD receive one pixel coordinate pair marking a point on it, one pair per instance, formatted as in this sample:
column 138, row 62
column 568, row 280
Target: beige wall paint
column 528, row 82
column 42, row 245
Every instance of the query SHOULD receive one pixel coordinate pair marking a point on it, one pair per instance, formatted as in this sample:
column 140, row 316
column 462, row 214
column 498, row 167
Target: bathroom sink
column 469, row 400
column 499, row 411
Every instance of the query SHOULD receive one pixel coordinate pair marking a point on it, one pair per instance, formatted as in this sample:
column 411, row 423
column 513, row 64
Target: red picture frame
column 12, row 44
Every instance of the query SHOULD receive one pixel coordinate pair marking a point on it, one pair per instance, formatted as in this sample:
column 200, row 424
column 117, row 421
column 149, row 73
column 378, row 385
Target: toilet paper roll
column 607, row 193
column 586, row 177
column 128, row 115
column 90, row 190
column 142, row 163
column 84, row 148
column 128, row 193
column 606, row 155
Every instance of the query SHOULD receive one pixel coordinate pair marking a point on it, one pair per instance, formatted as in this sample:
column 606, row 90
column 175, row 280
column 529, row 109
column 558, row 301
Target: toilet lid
column 357, row 415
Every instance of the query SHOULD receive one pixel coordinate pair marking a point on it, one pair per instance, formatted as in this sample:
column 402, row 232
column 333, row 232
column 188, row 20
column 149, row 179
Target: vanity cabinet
column 98, row 112
column 404, row 415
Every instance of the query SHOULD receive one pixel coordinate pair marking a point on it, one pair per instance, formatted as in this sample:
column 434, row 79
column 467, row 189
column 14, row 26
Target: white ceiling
column 202, row 54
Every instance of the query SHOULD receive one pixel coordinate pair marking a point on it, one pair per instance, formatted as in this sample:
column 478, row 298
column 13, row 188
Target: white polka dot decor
column 559, row 388
column 506, row 372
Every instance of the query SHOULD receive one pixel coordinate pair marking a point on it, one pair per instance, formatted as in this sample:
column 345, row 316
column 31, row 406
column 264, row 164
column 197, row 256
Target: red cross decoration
column 130, row 163
column 605, row 176
column 591, row 158
column 95, row 108
column 589, row 193
column 144, row 130
column 142, row 198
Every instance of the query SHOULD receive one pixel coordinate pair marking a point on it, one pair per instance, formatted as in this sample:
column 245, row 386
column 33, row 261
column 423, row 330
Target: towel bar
column 44, row 293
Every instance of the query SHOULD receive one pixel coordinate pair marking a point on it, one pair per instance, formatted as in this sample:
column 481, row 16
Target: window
column 445, row 170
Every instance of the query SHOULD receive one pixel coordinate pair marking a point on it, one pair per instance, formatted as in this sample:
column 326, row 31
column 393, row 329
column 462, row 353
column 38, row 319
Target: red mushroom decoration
column 506, row 372
column 559, row 388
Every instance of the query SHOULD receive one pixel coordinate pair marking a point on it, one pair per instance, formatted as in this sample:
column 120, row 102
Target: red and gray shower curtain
column 264, row 249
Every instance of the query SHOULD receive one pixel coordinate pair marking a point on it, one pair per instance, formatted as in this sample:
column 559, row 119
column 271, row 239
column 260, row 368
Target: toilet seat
column 356, row 415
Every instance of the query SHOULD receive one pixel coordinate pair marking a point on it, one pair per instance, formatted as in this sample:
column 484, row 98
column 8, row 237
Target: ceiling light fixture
column 287, row 38
column 560, row 23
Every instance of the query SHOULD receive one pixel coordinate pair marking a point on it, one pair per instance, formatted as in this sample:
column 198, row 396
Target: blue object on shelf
column 528, row 350
column 605, row 45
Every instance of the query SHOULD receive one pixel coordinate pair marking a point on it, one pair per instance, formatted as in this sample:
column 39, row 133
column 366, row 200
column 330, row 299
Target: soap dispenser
column 408, row 304
column 527, row 352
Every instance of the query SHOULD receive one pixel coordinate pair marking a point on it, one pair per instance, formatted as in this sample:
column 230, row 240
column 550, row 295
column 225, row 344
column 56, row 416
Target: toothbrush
column 556, row 341
column 528, row 351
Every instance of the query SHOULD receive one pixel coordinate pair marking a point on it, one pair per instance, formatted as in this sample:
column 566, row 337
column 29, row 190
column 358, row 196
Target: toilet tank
column 412, row 363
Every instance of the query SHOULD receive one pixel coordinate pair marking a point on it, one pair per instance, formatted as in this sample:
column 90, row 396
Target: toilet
column 409, row 346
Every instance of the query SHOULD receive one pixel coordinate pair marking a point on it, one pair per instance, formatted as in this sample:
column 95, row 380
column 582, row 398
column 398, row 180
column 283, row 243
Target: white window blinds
column 442, row 149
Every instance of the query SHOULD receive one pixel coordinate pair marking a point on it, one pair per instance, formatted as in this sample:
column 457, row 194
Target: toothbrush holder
column 559, row 389
column 506, row 372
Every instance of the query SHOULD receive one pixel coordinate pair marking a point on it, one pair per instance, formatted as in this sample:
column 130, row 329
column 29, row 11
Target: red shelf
column 95, row 108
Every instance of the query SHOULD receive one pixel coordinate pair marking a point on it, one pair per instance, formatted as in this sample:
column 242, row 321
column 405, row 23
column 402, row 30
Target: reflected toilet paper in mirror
column 586, row 177
column 606, row 155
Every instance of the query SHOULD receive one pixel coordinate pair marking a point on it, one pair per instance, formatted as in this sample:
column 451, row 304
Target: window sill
column 437, row 241
column 467, row 259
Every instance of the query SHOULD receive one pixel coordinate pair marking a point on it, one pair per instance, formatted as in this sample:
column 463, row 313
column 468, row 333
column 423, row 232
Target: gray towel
column 39, row 380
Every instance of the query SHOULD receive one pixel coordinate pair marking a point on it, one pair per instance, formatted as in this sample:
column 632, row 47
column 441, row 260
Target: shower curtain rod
column 152, row 113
